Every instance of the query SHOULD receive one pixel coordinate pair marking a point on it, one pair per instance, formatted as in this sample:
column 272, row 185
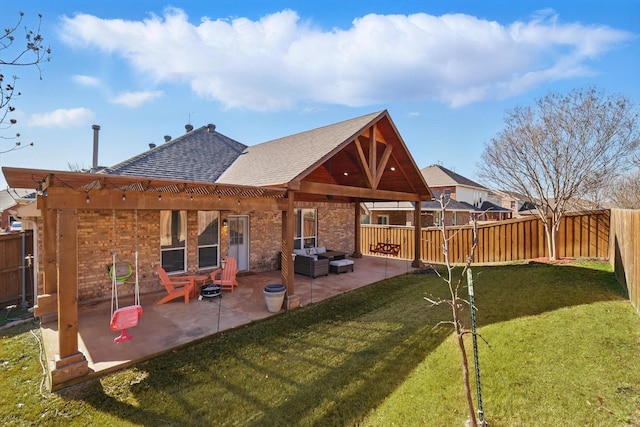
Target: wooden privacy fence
column 625, row 251
column 581, row 235
column 12, row 261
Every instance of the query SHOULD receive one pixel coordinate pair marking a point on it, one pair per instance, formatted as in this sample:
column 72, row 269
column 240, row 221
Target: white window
column 383, row 219
column 208, row 239
column 173, row 240
column 306, row 228
column 455, row 218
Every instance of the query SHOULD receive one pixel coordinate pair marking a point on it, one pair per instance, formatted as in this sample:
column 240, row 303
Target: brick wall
column 96, row 245
column 462, row 218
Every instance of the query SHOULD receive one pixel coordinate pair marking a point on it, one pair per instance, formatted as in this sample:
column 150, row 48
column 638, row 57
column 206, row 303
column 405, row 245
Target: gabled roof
column 364, row 157
column 200, row 155
column 439, row 176
column 281, row 160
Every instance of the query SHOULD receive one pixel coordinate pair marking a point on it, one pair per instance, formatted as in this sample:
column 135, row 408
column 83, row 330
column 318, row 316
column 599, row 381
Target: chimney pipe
column 188, row 127
column 96, row 130
column 167, row 138
column 211, row 128
column 152, row 145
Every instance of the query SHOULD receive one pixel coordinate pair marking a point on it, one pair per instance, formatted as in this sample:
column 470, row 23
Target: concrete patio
column 169, row 326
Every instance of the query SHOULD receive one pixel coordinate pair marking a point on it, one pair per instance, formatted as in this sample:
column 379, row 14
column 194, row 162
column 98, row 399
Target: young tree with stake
column 456, row 303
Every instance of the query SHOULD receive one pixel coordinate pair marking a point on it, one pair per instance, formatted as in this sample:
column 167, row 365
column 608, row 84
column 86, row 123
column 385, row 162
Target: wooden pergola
column 373, row 165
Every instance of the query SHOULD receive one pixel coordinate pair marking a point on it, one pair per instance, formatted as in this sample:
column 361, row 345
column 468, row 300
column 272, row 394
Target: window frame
column 202, row 247
column 180, row 234
column 300, row 240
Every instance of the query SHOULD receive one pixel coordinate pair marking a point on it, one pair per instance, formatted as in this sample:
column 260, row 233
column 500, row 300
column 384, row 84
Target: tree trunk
column 548, row 231
column 465, row 368
column 554, row 244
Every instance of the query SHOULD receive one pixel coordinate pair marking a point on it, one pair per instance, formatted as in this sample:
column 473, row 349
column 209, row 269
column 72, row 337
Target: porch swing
column 128, row 316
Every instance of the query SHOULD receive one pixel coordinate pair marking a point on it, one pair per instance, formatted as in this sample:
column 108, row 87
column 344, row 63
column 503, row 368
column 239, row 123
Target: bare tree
column 455, row 302
column 625, row 192
column 18, row 52
column 561, row 149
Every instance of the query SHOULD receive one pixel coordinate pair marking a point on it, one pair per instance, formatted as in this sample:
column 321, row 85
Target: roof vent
column 188, row 127
column 211, row 128
column 167, row 138
column 152, row 145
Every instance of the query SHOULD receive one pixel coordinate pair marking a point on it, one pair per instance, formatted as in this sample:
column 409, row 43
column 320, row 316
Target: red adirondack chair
column 176, row 286
column 227, row 281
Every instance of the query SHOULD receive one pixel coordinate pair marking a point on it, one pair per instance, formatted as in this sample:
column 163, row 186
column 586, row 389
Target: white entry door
column 239, row 240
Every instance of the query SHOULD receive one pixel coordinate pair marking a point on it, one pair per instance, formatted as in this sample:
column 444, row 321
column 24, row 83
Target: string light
column 124, row 196
column 159, row 196
column 87, row 198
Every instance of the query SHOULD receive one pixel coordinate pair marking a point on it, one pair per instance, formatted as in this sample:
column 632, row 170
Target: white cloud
column 62, row 118
column 87, row 80
column 278, row 62
column 136, row 99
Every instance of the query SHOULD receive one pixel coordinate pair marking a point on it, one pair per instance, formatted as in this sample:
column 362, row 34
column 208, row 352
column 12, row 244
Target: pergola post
column 357, row 235
column 417, row 233
column 288, row 228
column 46, row 303
column 70, row 363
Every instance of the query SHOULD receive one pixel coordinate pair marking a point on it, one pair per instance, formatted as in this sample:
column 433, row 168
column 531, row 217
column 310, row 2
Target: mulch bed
column 546, row 260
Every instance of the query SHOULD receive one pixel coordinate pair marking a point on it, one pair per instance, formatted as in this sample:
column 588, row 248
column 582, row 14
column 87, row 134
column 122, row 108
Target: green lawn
column 563, row 347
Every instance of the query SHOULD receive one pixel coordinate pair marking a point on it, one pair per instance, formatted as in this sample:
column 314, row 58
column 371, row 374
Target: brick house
column 401, row 213
column 190, row 201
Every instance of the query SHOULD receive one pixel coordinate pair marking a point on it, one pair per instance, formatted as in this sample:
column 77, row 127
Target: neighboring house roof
column 282, row 160
column 491, row 207
column 11, row 196
column 389, row 206
column 439, row 176
column 200, row 155
column 432, row 205
column 452, row 205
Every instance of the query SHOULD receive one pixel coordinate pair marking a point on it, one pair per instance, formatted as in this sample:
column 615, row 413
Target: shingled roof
column 200, row 155
column 439, row 176
column 280, row 161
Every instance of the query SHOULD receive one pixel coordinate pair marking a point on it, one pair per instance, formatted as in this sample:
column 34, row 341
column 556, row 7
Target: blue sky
column 447, row 71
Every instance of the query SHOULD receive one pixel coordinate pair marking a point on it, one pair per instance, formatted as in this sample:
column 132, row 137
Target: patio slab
column 174, row 324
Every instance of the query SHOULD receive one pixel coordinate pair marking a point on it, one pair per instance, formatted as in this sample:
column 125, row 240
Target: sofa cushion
column 341, row 262
column 321, row 250
column 302, row 252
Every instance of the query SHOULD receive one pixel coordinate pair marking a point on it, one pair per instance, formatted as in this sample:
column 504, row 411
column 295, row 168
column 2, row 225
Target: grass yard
column 563, row 345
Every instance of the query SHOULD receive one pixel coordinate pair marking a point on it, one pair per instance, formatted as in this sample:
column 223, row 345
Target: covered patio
column 79, row 217
column 169, row 326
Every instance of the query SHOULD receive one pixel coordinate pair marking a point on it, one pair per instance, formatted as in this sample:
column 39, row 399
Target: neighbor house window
column 455, row 218
column 173, row 240
column 437, row 220
column 306, row 228
column 383, row 219
column 208, row 239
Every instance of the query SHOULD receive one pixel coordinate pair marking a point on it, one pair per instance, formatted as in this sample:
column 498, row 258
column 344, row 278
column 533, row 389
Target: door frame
column 243, row 261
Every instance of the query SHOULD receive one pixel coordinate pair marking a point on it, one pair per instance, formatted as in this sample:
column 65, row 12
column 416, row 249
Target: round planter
column 274, row 297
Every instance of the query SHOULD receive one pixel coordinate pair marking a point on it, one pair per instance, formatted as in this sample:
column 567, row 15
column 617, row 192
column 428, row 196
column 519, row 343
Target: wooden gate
column 16, row 272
